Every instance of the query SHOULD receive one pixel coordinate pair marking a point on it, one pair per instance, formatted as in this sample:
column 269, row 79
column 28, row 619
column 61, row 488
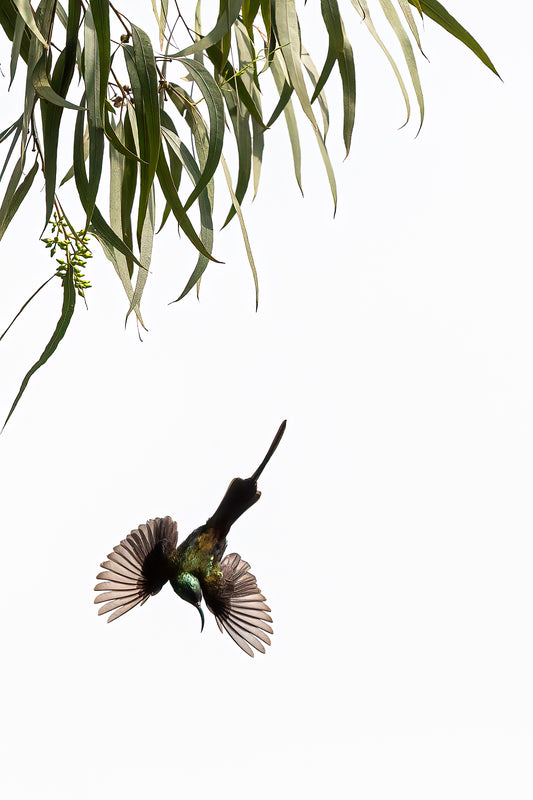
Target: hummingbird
column 149, row 556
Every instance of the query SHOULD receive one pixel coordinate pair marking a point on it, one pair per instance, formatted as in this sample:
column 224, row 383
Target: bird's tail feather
column 137, row 568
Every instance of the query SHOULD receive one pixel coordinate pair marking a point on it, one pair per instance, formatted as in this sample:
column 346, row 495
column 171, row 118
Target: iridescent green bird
column 148, row 557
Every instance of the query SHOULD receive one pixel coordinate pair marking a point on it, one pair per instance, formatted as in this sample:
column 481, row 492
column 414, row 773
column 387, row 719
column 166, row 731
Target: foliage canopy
column 164, row 116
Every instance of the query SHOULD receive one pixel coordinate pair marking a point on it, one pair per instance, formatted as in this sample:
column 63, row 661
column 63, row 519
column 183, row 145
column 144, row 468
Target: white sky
column 393, row 538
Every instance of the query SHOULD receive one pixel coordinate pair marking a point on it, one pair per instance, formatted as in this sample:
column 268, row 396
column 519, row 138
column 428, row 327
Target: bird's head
column 187, row 586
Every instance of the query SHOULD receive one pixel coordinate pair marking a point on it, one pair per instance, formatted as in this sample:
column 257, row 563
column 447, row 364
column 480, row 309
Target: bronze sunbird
column 148, row 557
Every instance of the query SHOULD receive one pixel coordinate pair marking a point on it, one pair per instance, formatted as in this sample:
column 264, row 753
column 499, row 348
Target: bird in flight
column 149, row 557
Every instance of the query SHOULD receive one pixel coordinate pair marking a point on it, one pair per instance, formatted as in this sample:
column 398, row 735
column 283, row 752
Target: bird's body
column 149, row 557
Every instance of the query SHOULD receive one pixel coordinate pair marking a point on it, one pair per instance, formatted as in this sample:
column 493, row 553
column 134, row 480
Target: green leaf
column 42, row 86
column 51, row 116
column 408, row 14
column 94, row 114
column 143, row 77
column 206, row 222
column 100, row 18
column 17, row 129
column 243, row 230
column 229, row 11
column 312, row 71
column 147, row 243
column 288, row 36
column 362, row 9
column 26, row 12
column 69, row 302
column 7, row 212
column 240, row 119
column 329, row 168
column 405, row 43
column 279, row 76
column 347, row 70
column 171, row 196
column 104, row 233
column 215, row 109
column 123, row 266
column 332, row 20
column 20, row 27
column 437, row 12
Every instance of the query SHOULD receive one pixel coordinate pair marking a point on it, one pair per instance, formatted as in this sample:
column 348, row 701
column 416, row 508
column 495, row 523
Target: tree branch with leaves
column 164, row 114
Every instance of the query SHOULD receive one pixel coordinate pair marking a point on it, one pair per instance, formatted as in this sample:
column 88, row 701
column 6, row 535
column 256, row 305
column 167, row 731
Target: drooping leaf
column 332, row 20
column 20, row 27
column 407, row 48
column 229, row 11
column 288, row 36
column 186, row 158
column 8, row 211
column 26, row 12
column 69, row 302
column 290, row 117
column 215, row 109
column 347, row 70
column 243, row 230
column 43, row 88
column 143, row 77
column 362, row 9
column 437, row 12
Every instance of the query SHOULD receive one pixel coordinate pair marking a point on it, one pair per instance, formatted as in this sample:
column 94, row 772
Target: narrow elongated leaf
column 7, row 214
column 288, row 36
column 123, row 266
column 249, row 78
column 312, row 71
column 408, row 14
column 405, row 43
column 329, row 168
column 104, row 233
column 362, row 9
column 437, row 12
column 215, row 109
column 229, row 11
column 51, row 116
column 290, row 118
column 347, row 70
column 129, row 181
column 12, row 186
column 250, row 9
column 240, row 119
column 171, row 196
column 43, row 88
column 94, row 113
column 20, row 27
column 69, row 302
column 243, row 230
column 147, row 243
column 11, row 129
column 206, row 221
column 17, row 128
column 143, row 76
column 284, row 97
column 332, row 20
column 100, row 17
column 26, row 12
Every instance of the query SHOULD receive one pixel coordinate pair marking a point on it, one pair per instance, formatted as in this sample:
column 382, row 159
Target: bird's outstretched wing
column 239, row 606
column 137, row 568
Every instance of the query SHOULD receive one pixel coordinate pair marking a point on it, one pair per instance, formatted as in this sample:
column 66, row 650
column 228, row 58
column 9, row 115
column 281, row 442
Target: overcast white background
column 393, row 538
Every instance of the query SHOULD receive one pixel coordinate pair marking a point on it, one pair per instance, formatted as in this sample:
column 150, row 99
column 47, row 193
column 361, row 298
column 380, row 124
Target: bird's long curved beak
column 271, row 450
column 199, row 607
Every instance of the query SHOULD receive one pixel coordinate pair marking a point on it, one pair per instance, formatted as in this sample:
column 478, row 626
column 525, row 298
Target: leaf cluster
column 163, row 117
